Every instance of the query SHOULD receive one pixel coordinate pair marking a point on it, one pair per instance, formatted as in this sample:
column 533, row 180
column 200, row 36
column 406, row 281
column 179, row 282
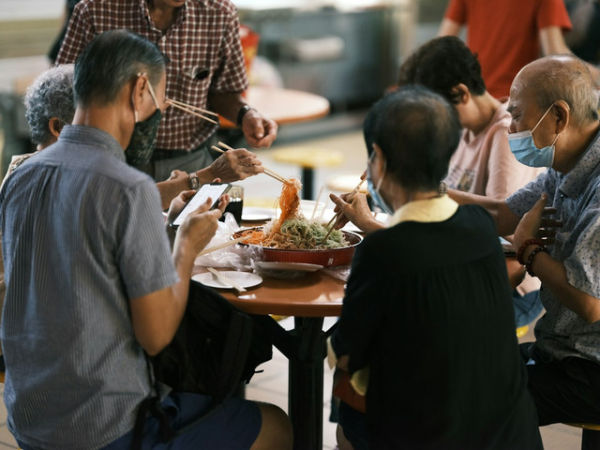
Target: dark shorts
column 354, row 424
column 566, row 390
column 233, row 425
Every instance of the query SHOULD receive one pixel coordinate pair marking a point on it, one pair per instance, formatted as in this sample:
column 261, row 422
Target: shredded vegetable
column 291, row 230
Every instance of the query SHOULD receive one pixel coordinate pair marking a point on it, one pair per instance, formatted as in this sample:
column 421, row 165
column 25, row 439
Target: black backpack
column 215, row 349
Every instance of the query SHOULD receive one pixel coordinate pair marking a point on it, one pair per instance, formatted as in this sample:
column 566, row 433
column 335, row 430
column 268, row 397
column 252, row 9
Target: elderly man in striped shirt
column 86, row 296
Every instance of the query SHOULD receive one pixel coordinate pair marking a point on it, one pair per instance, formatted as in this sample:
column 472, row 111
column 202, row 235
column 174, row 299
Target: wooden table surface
column 314, row 295
column 284, row 106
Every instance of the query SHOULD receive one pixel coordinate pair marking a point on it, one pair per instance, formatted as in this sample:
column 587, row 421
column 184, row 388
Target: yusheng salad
column 291, row 230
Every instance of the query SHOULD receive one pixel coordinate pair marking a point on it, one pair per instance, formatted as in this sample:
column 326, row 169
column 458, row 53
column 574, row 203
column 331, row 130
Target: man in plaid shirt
column 206, row 69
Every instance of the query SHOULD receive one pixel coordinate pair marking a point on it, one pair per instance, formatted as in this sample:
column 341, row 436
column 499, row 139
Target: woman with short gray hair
column 49, row 105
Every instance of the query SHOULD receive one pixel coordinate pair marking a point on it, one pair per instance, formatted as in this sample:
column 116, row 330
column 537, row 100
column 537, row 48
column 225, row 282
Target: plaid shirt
column 203, row 46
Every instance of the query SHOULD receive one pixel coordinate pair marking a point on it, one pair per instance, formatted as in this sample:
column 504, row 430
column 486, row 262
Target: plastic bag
column 238, row 257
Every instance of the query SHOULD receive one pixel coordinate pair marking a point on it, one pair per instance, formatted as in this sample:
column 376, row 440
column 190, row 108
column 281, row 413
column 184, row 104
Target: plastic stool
column 522, row 331
column 308, row 159
column 345, row 183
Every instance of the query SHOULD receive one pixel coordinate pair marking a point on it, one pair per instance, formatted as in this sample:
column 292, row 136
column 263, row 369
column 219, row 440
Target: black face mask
column 140, row 148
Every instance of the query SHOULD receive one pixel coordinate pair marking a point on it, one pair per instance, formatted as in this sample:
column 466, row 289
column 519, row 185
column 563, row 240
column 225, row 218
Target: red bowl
column 325, row 257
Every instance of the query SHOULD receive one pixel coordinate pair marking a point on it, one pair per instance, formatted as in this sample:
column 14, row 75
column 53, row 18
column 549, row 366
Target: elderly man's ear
column 561, row 113
column 55, row 126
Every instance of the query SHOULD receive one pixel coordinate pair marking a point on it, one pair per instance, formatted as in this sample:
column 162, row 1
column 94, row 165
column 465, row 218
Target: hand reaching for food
column 234, row 165
column 356, row 210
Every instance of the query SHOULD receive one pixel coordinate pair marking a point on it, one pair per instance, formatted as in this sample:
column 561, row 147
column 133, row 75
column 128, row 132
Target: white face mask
column 523, row 147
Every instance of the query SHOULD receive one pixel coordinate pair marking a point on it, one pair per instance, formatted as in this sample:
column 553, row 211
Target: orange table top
column 314, row 295
column 284, row 106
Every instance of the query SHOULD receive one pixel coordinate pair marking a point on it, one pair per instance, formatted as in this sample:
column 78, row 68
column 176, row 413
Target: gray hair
column 111, row 60
column 572, row 83
column 50, row 95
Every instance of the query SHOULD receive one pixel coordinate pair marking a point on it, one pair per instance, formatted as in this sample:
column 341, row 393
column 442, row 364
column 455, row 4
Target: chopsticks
column 268, row 172
column 220, row 246
column 226, row 280
column 193, row 110
column 338, row 217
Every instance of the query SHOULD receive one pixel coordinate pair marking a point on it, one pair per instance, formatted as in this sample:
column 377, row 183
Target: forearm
column 506, row 220
column 173, row 310
column 169, row 189
column 449, row 28
column 183, row 258
column 553, row 275
column 553, row 42
column 226, row 104
column 370, row 226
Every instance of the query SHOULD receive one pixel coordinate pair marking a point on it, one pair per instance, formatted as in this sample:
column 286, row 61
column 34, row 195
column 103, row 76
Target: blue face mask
column 374, row 191
column 524, row 149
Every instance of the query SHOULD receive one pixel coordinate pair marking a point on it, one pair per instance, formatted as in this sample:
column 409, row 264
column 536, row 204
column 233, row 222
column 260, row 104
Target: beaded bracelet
column 529, row 263
column 524, row 246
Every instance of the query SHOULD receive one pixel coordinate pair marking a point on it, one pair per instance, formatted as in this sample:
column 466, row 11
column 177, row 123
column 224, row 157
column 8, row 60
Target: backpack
column 215, row 348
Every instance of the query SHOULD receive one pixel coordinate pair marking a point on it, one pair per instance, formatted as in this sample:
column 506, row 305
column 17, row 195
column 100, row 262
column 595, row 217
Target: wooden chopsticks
column 221, row 246
column 337, row 217
column 194, row 110
column 268, row 172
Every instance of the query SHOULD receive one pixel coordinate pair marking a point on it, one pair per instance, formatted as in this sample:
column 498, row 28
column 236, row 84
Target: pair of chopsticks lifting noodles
column 335, row 220
column 194, row 110
column 269, row 172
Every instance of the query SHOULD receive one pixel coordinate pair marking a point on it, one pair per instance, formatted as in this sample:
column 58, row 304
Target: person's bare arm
column 157, row 316
column 506, row 220
column 554, row 277
column 552, row 273
column 169, row 189
column 449, row 28
column 553, row 42
column 233, row 165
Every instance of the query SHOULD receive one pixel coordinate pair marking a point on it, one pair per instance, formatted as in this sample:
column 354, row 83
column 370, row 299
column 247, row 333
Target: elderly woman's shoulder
column 16, row 161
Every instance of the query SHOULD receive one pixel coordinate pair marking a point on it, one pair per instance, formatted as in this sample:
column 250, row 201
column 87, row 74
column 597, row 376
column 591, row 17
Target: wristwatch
column 194, row 182
column 241, row 113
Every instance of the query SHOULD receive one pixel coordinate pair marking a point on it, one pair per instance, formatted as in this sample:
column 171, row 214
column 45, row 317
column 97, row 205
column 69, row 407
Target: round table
column 284, row 106
column 309, row 300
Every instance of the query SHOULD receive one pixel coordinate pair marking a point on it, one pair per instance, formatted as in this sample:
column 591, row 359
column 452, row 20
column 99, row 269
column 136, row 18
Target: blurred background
column 347, row 51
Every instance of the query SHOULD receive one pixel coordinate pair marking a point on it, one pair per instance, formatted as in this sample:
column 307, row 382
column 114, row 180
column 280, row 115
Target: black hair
column 417, row 131
column 111, row 60
column 440, row 65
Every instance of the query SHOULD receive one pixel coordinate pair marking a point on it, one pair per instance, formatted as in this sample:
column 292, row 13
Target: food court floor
column 271, row 385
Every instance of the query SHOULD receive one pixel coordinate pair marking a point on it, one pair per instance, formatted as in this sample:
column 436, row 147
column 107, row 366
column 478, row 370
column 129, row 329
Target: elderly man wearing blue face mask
column 555, row 124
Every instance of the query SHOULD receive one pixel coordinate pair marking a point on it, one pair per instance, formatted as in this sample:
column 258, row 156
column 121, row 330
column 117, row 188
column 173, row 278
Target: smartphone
column 507, row 247
column 213, row 190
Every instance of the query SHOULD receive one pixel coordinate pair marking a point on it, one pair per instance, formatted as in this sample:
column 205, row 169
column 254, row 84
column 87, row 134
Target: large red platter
column 329, row 257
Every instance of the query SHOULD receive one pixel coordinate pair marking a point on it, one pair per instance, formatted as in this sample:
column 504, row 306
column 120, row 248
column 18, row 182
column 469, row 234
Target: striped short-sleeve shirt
column 82, row 235
column 203, row 47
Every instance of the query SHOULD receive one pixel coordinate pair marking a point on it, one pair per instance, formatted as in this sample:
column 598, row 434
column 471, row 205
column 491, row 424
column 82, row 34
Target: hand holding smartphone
column 213, row 191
